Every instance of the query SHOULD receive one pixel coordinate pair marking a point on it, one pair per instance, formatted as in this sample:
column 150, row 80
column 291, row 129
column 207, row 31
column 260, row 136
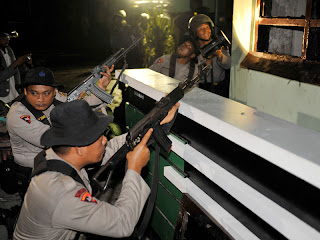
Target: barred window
column 287, row 40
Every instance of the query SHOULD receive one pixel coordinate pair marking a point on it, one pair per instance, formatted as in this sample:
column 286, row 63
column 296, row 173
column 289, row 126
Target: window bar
column 256, row 26
column 306, row 30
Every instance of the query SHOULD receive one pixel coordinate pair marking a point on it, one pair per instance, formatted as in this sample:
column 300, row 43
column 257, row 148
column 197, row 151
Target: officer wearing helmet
column 201, row 28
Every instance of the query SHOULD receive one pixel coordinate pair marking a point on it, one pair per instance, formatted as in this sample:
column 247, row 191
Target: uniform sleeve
column 79, row 211
column 61, row 96
column 93, row 100
column 26, row 126
column 226, row 59
column 113, row 146
column 157, row 65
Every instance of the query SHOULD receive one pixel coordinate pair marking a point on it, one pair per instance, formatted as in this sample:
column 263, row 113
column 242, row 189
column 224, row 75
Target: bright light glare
column 146, row 15
column 241, row 20
column 141, row 2
column 123, row 12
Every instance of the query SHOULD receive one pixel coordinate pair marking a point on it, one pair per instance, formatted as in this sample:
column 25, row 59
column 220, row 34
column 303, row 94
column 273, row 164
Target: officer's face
column 186, row 50
column 204, row 31
column 96, row 150
column 4, row 42
column 40, row 96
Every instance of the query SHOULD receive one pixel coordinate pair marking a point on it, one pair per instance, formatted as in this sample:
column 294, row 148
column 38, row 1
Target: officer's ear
column 193, row 55
column 25, row 91
column 79, row 151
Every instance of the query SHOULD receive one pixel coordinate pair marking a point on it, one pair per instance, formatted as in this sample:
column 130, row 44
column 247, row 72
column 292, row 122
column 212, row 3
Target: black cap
column 40, row 76
column 75, row 124
column 186, row 37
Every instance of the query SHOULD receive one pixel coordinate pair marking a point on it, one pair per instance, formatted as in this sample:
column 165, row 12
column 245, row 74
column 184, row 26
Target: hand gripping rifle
column 150, row 120
column 89, row 84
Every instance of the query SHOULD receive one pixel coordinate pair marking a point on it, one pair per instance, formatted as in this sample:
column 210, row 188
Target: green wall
column 290, row 100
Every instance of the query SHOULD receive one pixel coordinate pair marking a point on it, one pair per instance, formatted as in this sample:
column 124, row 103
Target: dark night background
column 64, row 32
column 61, row 32
column 77, row 32
column 69, row 34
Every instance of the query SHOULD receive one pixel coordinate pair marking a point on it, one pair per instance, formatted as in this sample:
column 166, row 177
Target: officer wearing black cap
column 182, row 64
column 201, row 27
column 29, row 116
column 59, row 201
column 9, row 71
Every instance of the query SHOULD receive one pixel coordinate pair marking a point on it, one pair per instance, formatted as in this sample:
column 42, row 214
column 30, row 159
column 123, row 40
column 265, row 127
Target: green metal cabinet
column 166, row 211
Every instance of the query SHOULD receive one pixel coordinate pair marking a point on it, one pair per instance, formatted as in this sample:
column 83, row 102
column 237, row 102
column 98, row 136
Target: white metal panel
column 289, row 146
column 225, row 219
column 276, row 216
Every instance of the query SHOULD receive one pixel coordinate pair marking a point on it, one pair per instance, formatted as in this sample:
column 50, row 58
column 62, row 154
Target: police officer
column 9, row 72
column 201, row 28
column 59, row 203
column 182, row 64
column 29, row 117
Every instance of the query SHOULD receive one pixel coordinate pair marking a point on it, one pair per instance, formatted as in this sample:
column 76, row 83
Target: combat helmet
column 197, row 20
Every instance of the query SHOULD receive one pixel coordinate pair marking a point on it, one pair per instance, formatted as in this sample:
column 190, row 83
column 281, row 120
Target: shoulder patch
column 85, row 196
column 80, row 192
column 26, row 118
column 160, row 60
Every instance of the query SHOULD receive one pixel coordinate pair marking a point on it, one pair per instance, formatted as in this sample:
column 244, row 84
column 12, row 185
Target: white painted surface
column 276, row 216
column 225, row 219
column 289, row 146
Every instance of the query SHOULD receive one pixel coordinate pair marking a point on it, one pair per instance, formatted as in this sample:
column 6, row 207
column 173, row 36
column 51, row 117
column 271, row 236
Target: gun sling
column 41, row 165
column 172, row 68
column 140, row 230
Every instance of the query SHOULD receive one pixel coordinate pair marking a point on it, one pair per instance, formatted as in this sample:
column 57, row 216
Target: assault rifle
column 150, row 120
column 89, row 84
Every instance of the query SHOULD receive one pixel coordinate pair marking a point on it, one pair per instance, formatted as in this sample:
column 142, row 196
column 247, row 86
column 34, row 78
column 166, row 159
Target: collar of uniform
column 50, row 154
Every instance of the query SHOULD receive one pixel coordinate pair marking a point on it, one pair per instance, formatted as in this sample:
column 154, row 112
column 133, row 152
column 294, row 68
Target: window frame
column 305, row 23
column 305, row 70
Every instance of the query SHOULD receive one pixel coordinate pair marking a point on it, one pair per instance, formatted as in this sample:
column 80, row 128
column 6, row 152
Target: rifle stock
column 89, row 84
column 150, row 120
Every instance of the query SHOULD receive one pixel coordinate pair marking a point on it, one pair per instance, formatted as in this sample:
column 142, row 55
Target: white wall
column 290, row 100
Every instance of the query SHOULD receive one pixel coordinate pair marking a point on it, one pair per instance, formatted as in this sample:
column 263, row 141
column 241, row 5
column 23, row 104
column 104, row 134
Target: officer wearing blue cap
column 29, row 117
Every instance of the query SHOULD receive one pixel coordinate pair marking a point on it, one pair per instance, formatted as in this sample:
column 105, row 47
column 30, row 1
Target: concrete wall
column 290, row 100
